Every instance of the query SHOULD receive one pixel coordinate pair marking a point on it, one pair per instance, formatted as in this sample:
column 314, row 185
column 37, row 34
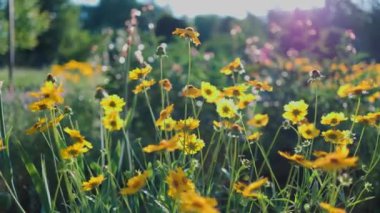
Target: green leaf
column 37, row 180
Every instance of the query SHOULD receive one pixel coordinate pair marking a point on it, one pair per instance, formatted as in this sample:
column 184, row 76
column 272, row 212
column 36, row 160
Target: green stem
column 360, row 141
column 161, row 87
column 356, row 112
column 188, row 76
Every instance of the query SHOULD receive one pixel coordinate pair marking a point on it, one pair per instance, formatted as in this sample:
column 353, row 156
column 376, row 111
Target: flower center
column 113, row 123
column 333, row 136
column 296, row 112
column 236, row 92
column 112, row 104
column 208, row 92
column 226, row 109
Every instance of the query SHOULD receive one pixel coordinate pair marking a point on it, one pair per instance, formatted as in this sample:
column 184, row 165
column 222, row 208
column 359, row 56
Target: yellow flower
column 92, row 183
column 43, row 124
column 239, row 187
column 169, row 145
column 259, row 120
column 135, row 183
column 345, row 90
column 375, row 96
column 337, row 136
column 2, row 147
column 191, row 145
column 41, row 105
column 139, row 73
column 261, row 86
column 191, row 91
column 226, row 108
column 333, row 118
column 49, row 92
column 40, row 125
column 234, row 66
column 191, row 202
column 167, row 124
column 178, row 183
column 331, row 209
column 77, row 137
column 335, row 160
column 369, row 119
column 112, row 103
column 308, row 131
column 73, row 151
column 245, row 100
column 84, row 68
column 299, row 159
column 250, row 189
column 189, row 33
column 145, row 84
column 235, row 91
column 254, row 137
column 112, row 121
column 375, row 116
column 187, row 124
column 210, row 92
column 224, row 124
column 165, row 83
column 295, row 111
column 165, row 113
column 352, row 90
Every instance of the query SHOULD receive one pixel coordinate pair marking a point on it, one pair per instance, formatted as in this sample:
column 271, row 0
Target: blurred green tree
column 31, row 20
column 64, row 40
column 109, row 13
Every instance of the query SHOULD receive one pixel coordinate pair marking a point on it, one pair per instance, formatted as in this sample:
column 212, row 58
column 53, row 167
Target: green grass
column 24, row 78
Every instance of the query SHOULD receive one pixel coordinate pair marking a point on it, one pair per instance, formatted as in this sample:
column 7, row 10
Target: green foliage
column 30, row 23
column 3, row 33
column 73, row 34
column 109, row 13
column 57, row 44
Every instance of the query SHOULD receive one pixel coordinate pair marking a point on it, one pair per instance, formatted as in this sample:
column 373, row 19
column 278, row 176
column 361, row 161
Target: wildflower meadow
column 235, row 124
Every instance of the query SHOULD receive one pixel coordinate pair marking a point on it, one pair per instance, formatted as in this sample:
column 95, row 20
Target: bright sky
column 237, row 8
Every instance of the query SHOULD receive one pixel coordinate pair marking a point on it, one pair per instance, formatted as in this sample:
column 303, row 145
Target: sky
column 235, row 8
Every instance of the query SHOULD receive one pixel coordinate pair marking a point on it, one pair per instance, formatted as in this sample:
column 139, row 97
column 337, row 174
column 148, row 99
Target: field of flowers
column 174, row 128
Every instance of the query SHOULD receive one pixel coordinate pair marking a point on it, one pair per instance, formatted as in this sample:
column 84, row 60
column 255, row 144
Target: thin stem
column 356, row 112
column 188, row 76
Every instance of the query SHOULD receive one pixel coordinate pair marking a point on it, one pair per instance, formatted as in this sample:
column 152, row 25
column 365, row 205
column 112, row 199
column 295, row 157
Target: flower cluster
column 112, row 106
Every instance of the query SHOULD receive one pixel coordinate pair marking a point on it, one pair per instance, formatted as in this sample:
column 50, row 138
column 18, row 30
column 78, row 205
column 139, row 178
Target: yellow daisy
column 189, row 33
column 259, row 120
column 209, row 92
column 234, row 66
column 112, row 103
column 226, row 108
column 135, row 183
column 178, row 183
column 308, row 131
column 295, row 111
column 112, row 121
column 92, row 183
column 139, row 73
column 333, row 118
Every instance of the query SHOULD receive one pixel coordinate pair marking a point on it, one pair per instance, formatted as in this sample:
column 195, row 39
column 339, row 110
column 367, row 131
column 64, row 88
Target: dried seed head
column 315, row 75
column 51, row 78
column 68, row 110
column 161, row 50
column 100, row 93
